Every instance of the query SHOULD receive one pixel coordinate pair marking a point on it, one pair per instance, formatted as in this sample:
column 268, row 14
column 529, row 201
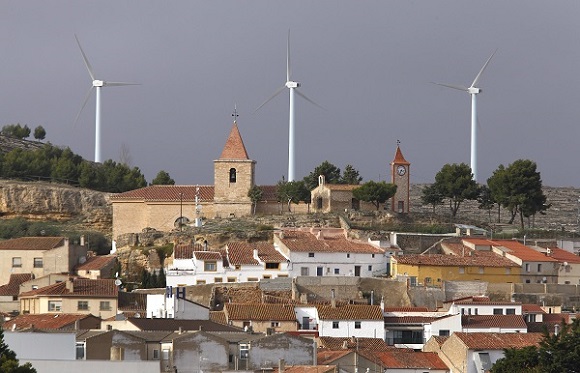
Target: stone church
column 164, row 207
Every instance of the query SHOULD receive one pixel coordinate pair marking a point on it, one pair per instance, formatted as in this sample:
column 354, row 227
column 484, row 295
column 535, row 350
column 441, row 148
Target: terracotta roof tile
column 132, row 302
column 81, row 287
column 350, row 312
column 324, row 356
column 207, row 255
column 32, row 243
column 493, row 321
column 259, row 312
column 175, row 324
column 339, row 343
column 564, row 256
column 341, row 186
column 269, row 193
column 309, row 369
column 96, row 262
column 168, row 193
column 307, row 242
column 532, row 308
column 219, row 317
column 476, row 260
column 13, row 286
column 243, row 253
column 234, row 147
column 498, row 341
column 521, row 251
column 409, row 319
column 45, row 321
column 399, row 159
column 406, row 309
column 411, row 360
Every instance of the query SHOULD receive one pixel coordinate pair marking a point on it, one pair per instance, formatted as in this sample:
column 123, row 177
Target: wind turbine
column 473, row 90
column 97, row 85
column 292, row 86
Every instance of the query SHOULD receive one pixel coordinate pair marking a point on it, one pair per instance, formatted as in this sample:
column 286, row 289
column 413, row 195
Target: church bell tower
column 400, row 176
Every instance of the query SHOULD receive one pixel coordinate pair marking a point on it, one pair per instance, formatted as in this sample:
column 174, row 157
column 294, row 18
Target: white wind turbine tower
column 292, row 86
column 473, row 90
column 97, row 84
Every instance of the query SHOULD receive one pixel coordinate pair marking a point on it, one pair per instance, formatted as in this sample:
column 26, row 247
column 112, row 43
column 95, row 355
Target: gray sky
column 369, row 63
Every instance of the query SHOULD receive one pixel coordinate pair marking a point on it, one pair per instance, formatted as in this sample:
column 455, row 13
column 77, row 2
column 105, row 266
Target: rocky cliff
column 48, row 201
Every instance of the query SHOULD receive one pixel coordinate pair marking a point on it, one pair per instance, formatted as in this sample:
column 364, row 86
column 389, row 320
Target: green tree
column 39, row 133
column 293, row 192
column 518, row 187
column 455, row 182
column 163, row 178
column 375, row 192
column 485, row 200
column 523, row 360
column 432, row 196
column 255, row 193
column 9, row 362
column 16, row 130
column 331, row 175
column 350, row 176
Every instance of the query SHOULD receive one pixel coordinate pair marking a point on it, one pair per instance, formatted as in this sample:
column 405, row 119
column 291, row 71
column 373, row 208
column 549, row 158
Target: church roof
column 399, row 159
column 168, row 193
column 234, row 148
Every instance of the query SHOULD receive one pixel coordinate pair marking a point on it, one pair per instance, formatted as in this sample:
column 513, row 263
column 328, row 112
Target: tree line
column 517, row 188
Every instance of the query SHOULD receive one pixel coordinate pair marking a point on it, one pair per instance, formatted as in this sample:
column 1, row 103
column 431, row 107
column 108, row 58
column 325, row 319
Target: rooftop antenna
column 235, row 114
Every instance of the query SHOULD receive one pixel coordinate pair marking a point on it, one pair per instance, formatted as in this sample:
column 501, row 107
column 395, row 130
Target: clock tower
column 400, row 176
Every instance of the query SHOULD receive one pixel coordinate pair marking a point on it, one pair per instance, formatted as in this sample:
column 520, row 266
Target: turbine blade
column 459, row 87
column 288, row 72
column 87, row 63
column 270, row 98
column 476, row 80
column 307, row 99
column 118, row 84
column 84, row 104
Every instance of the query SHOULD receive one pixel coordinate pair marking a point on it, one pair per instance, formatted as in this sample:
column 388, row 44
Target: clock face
column 401, row 170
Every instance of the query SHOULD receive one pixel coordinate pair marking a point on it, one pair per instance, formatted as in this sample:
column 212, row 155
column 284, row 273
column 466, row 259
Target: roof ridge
column 234, row 147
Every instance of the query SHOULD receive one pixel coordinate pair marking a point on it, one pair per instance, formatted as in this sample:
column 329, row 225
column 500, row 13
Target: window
column 105, row 306
column 54, row 305
column 231, row 279
column 266, row 277
column 348, row 255
column 275, row 324
column 336, row 271
column 155, row 354
column 252, row 279
column 480, row 269
column 370, row 268
column 218, row 279
column 83, row 305
column 510, row 311
column 527, row 267
column 304, row 271
column 37, row 262
column 531, row 317
column 319, row 203
column 444, row 333
column 17, row 262
column 427, row 280
column 539, row 267
column 357, row 324
column 335, row 325
column 165, row 354
column 372, row 255
column 210, row 266
column 232, row 175
column 462, row 270
column 272, row 265
column 200, row 282
column 244, row 351
column 311, row 255
column 498, row 311
column 80, row 347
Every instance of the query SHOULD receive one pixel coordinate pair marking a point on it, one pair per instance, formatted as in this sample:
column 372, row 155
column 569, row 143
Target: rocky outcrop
column 48, row 201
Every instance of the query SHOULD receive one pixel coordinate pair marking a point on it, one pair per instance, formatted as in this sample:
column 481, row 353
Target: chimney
column 372, row 297
column 204, row 245
column 320, row 235
column 256, row 254
column 180, row 330
column 281, row 366
column 70, row 285
column 332, row 299
column 383, row 303
column 82, row 240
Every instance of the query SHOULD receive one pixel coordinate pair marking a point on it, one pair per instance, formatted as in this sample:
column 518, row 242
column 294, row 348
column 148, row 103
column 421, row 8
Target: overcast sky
column 368, row 63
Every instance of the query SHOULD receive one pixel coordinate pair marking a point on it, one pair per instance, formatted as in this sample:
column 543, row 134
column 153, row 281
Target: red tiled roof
column 219, row 317
column 234, row 147
column 406, row 309
column 498, row 341
column 564, row 256
column 207, row 255
column 168, row 193
column 32, row 243
column 307, row 242
column 269, row 193
column 44, row 321
column 523, row 252
column 341, row 186
column 350, row 312
column 399, row 159
column 411, row 360
column 493, row 321
column 339, row 343
column 409, row 319
column 96, row 262
column 13, row 286
column 132, row 302
column 260, row 312
column 243, row 253
column 532, row 308
column 81, row 287
column 309, row 369
column 328, row 356
column 477, row 260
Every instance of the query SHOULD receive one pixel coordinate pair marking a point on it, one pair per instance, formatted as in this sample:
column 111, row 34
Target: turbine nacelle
column 291, row 84
column 98, row 83
column 473, row 90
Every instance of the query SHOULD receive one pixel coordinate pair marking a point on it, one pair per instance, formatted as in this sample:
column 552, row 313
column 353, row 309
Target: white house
column 350, row 320
column 481, row 306
column 173, row 305
column 327, row 252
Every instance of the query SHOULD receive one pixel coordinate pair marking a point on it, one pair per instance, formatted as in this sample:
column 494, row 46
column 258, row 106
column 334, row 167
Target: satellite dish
column 118, row 282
